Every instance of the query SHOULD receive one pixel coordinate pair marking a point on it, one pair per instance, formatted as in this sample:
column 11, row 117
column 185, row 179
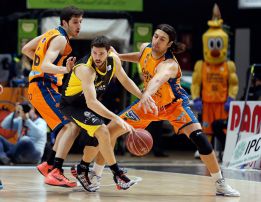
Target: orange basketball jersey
column 171, row 89
column 214, row 82
column 40, row 54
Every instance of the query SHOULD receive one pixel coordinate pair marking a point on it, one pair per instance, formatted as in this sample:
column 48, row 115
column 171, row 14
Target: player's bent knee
column 102, row 133
column 201, row 141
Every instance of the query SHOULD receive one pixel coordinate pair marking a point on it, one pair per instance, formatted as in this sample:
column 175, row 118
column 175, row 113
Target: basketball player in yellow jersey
column 80, row 102
column 48, row 52
column 162, row 75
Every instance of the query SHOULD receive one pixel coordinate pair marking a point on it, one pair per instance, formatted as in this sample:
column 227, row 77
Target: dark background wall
column 186, row 16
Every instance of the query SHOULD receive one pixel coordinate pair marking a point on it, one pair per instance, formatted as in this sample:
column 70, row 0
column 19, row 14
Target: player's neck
column 67, row 32
column 102, row 68
column 157, row 55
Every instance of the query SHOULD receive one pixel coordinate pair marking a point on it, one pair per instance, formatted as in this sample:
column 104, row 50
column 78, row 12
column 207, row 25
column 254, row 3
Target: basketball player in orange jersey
column 162, row 75
column 48, row 52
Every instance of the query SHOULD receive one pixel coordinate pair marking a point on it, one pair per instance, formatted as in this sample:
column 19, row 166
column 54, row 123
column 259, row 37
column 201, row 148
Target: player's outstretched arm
column 125, row 80
column 130, row 57
column 130, row 86
column 165, row 70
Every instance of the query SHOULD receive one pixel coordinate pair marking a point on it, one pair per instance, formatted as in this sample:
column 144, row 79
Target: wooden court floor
column 24, row 184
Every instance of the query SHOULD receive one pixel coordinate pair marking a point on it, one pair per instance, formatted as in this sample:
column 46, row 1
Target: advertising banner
column 244, row 120
column 246, row 151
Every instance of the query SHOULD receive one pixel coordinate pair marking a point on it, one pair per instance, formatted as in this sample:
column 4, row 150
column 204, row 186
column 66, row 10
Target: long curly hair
column 176, row 47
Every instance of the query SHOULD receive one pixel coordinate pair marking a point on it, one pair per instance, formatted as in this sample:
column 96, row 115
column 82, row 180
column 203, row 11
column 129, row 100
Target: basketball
column 139, row 143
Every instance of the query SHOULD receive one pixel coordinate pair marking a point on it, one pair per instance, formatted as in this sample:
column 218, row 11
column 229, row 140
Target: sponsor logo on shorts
column 95, row 120
column 87, row 114
column 181, row 117
column 131, row 115
column 205, row 124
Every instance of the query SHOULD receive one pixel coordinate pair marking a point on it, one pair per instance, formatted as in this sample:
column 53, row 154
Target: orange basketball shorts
column 44, row 96
column 177, row 113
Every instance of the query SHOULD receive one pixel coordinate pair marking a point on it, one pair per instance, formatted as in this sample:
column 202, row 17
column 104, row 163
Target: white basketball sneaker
column 223, row 189
column 95, row 179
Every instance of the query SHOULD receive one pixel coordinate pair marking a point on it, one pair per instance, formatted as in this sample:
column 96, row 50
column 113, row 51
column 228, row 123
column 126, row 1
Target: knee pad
column 201, row 141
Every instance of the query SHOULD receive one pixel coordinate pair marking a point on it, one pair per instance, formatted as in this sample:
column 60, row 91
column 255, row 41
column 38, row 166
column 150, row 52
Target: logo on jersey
column 101, row 88
column 108, row 68
column 131, row 115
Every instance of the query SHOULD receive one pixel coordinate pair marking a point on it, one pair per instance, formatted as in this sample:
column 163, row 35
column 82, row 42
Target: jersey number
column 36, row 60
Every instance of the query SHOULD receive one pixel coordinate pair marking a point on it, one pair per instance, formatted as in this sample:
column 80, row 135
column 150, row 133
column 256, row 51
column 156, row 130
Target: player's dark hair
column 101, row 42
column 68, row 12
column 176, row 47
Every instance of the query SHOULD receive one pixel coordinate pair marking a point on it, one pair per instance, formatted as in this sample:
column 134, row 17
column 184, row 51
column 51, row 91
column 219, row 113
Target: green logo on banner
column 28, row 27
column 27, row 30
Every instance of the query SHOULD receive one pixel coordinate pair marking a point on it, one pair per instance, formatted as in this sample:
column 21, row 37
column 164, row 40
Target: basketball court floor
column 177, row 178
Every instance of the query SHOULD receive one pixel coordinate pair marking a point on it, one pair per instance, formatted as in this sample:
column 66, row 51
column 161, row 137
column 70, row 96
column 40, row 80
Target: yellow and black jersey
column 72, row 89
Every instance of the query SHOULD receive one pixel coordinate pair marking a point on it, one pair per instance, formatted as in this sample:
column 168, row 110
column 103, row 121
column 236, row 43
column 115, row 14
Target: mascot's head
column 215, row 40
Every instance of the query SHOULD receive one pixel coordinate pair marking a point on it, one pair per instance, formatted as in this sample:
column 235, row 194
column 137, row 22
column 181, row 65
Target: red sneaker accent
column 56, row 178
column 44, row 168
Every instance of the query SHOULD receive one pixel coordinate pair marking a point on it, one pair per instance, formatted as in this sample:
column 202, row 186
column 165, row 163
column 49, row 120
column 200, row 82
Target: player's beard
column 100, row 64
column 73, row 33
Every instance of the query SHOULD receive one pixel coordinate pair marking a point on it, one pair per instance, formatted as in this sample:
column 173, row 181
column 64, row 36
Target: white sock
column 98, row 169
column 216, row 176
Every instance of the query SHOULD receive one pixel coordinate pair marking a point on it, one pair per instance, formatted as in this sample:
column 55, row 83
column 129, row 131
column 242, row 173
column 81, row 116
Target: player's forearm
column 50, row 68
column 100, row 109
column 153, row 86
column 131, row 87
column 28, row 51
column 130, row 57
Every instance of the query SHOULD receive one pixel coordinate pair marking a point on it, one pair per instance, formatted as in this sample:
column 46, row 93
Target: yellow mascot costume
column 214, row 80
